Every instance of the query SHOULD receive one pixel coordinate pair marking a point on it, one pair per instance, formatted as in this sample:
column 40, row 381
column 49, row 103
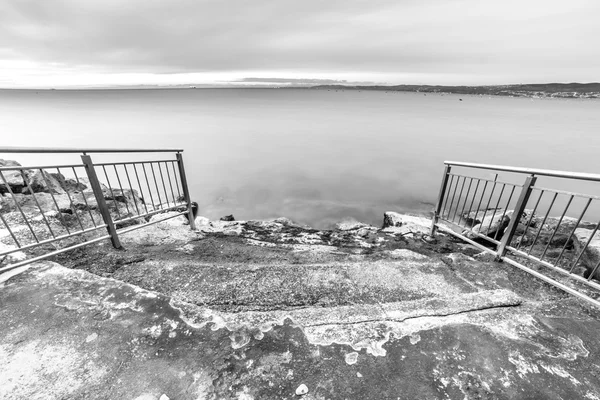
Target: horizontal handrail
column 532, row 171
column 20, row 167
column 82, row 150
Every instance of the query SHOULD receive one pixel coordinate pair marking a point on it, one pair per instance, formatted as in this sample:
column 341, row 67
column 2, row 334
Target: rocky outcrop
column 391, row 219
column 402, row 224
column 41, row 181
column 14, row 179
column 492, row 226
column 591, row 256
column 63, row 203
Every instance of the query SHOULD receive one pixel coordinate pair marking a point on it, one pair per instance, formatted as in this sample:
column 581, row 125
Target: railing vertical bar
column 488, row 202
column 19, row 206
column 170, row 184
column 556, row 229
column 40, row 207
column 72, row 205
column 453, row 196
column 148, row 187
column 591, row 275
column 111, row 192
column 585, row 247
column 176, row 180
column 473, row 200
column 447, row 195
column 85, row 199
column 132, row 189
column 137, row 178
column 122, row 191
column 542, row 224
column 462, row 211
column 531, row 217
column 497, row 205
column 505, row 210
column 10, row 230
column 462, row 188
column 573, row 231
column 156, row 185
column 162, row 178
column 479, row 205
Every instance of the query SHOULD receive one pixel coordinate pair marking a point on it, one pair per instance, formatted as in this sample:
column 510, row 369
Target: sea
column 315, row 156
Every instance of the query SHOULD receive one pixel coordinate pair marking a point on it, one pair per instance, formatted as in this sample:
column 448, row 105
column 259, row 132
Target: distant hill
column 565, row 90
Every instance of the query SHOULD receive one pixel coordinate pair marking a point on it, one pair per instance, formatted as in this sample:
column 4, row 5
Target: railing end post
column 186, row 191
column 514, row 221
column 102, row 206
column 440, row 200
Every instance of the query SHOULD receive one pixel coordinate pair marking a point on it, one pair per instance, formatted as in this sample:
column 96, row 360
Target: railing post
column 516, row 217
column 186, row 192
column 102, row 207
column 440, row 200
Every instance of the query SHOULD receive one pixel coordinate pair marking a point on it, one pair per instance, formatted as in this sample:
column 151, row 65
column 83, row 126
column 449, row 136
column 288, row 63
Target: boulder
column 391, row 218
column 591, row 255
column 492, row 225
column 408, row 224
column 227, row 218
column 349, row 225
column 41, row 181
column 14, row 179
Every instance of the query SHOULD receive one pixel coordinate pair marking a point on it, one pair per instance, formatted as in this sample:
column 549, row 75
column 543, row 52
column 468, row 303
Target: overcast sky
column 59, row 43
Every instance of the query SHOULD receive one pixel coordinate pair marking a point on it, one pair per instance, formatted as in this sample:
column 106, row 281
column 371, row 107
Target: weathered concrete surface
column 72, row 334
column 254, row 309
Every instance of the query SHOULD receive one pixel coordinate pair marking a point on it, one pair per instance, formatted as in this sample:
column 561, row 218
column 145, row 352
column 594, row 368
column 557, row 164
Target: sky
column 105, row 43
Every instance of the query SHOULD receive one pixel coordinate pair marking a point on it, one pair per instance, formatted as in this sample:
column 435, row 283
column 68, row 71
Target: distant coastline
column 541, row 90
column 536, row 90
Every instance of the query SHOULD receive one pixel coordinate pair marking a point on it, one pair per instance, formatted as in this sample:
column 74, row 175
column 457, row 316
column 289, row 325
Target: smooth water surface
column 316, row 156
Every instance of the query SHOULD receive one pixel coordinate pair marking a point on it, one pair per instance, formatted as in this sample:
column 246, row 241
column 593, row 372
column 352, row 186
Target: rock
column 85, row 182
column 14, row 179
column 492, row 225
column 175, row 221
column 522, row 240
column 201, row 221
column 123, row 196
column 391, row 218
column 70, row 185
column 164, row 397
column 409, row 224
column 591, row 255
column 301, row 390
column 227, row 218
column 350, row 225
column 42, row 181
column 559, row 240
column 12, row 257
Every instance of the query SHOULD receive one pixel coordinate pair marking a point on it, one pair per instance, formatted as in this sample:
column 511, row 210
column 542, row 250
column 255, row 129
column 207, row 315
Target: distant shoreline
column 541, row 90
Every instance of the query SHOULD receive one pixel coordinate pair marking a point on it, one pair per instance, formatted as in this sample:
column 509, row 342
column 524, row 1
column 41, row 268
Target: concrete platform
column 71, row 334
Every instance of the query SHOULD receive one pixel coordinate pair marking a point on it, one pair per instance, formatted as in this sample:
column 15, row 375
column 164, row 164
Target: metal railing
column 527, row 218
column 51, row 209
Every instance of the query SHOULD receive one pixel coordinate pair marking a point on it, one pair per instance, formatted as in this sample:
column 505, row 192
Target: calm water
column 314, row 156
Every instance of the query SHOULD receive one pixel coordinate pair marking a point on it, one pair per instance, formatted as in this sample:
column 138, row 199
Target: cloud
column 512, row 40
column 302, row 81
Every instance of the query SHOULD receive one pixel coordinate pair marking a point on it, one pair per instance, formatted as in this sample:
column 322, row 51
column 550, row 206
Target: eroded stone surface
column 102, row 338
column 254, row 309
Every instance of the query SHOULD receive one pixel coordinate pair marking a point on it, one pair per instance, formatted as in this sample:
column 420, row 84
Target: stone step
column 242, row 286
